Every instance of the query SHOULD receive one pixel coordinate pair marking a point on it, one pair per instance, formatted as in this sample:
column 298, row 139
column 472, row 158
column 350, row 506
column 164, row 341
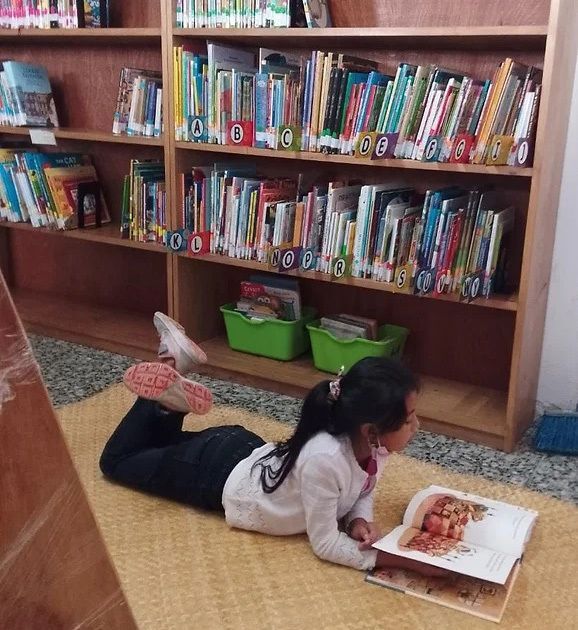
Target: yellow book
column 176, row 91
column 491, row 110
column 316, row 100
column 327, row 66
column 250, row 222
column 299, row 209
column 63, row 184
column 351, row 239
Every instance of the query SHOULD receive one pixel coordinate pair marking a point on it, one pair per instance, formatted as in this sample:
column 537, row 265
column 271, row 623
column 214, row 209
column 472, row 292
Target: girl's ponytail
column 374, row 391
column 316, row 416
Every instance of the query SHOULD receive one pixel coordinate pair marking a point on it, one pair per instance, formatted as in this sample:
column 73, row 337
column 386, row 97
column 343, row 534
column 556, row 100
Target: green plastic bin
column 273, row 338
column 330, row 353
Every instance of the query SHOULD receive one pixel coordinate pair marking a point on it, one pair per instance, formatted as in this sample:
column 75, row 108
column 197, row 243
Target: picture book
column 139, row 103
column 27, row 94
column 269, row 297
column 317, row 13
column 470, row 595
column 93, row 13
column 470, row 536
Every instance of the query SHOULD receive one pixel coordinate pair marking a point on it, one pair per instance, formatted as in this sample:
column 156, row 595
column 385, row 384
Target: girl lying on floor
column 320, row 481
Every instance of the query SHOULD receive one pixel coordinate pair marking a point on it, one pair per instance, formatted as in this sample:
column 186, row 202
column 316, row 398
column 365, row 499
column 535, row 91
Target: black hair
column 374, row 391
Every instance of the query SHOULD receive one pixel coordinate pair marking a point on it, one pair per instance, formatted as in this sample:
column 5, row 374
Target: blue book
column 373, row 78
column 6, row 175
column 261, row 83
column 31, row 94
column 151, row 108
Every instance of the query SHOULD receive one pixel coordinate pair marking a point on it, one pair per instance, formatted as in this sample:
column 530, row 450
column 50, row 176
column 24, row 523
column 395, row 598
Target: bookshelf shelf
column 115, row 36
column 441, row 37
column 445, row 167
column 107, row 234
column 89, row 135
column 505, row 303
column 464, row 411
column 480, row 361
column 113, row 329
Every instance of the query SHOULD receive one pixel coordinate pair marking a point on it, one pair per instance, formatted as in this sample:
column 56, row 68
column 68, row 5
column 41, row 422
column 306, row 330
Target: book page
column 473, row 519
column 448, row 553
column 460, row 592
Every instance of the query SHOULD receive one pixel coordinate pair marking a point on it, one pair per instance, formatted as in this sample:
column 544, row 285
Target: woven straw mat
column 183, row 568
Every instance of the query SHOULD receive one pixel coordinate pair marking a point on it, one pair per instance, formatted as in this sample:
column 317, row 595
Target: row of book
column 48, row 189
column 330, row 102
column 385, row 232
column 144, row 203
column 139, row 109
column 345, row 326
column 54, row 14
column 26, row 95
column 252, row 13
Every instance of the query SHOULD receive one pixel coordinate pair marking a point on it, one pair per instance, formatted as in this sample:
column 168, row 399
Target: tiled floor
column 74, row 372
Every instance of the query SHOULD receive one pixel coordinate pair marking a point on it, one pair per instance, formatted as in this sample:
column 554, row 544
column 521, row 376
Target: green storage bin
column 273, row 338
column 330, row 353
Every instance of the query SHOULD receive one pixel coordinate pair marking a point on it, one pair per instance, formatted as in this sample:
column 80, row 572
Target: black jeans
column 150, row 451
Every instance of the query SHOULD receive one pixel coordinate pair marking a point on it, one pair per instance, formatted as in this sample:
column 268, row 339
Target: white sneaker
column 176, row 345
column 160, row 382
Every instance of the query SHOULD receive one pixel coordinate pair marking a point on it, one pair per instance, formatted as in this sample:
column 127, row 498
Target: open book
column 479, row 540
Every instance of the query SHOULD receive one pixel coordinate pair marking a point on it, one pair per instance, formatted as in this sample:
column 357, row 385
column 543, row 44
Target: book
column 46, row 14
column 480, row 541
column 269, row 297
column 27, row 92
column 138, row 106
column 470, row 595
column 317, row 13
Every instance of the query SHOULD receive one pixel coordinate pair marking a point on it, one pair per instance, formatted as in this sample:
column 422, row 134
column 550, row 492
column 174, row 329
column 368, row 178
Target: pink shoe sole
column 154, row 380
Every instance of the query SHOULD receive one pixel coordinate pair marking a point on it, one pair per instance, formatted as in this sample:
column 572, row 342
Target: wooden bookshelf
column 479, row 362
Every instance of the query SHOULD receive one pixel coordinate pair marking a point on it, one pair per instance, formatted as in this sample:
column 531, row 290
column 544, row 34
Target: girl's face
column 398, row 440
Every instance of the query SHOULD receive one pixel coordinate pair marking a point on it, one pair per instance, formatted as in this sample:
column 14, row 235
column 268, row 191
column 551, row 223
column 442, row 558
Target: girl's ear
column 367, row 431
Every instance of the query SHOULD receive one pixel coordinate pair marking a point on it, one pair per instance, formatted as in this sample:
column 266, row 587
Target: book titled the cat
column 479, row 541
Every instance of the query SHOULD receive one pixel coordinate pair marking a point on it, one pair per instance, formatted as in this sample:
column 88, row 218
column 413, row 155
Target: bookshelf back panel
column 90, row 272
column 85, row 85
column 136, row 13
column 439, row 12
column 478, row 350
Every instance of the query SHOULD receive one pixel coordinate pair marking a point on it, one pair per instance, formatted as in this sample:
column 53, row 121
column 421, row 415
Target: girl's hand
column 366, row 533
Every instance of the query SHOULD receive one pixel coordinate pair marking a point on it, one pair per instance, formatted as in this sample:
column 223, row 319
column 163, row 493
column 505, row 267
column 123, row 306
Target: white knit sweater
column 322, row 488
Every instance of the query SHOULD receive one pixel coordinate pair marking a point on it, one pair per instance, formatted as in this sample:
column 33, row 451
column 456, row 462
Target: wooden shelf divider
column 500, row 302
column 108, row 234
column 438, row 37
column 108, row 36
column 87, row 135
column 309, row 156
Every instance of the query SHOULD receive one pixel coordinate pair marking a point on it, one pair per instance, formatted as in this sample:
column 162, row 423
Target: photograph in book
column 463, row 533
